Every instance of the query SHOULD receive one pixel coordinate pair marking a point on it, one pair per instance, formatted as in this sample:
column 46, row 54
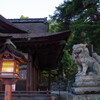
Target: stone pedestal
column 83, row 97
column 65, row 95
column 89, row 84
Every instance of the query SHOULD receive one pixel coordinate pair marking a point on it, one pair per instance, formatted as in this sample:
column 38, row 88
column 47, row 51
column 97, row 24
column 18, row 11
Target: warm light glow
column 7, row 66
column 17, row 69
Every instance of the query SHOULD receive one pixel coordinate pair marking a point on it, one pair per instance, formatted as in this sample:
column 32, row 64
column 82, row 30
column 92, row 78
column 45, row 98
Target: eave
column 48, row 49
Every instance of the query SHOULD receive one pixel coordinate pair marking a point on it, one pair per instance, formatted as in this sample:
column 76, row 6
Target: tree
column 79, row 17
column 23, row 17
column 85, row 28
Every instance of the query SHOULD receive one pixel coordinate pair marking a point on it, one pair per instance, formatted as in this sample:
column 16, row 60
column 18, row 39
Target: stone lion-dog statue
column 86, row 64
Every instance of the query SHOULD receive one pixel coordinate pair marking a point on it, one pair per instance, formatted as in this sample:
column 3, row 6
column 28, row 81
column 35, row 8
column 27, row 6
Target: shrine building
column 43, row 50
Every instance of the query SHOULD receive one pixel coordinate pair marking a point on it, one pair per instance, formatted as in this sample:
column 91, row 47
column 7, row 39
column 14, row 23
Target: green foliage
column 86, row 30
column 68, row 66
column 56, row 27
column 45, row 74
column 89, row 2
column 54, row 75
column 23, row 17
column 78, row 16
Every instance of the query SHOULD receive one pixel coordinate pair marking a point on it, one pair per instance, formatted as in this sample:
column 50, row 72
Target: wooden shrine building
column 42, row 49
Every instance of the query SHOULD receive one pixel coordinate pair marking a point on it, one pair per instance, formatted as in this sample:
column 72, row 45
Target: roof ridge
column 28, row 20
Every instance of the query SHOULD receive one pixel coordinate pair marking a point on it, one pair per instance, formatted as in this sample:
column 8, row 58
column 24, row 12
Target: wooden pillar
column 32, row 74
column 35, row 78
column 27, row 80
column 36, row 75
column 8, row 92
column 29, row 73
column 38, row 78
column 49, row 79
column 31, row 79
column 34, row 87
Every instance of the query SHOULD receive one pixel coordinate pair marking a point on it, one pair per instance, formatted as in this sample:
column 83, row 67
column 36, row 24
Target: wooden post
column 39, row 78
column 49, row 80
column 28, row 75
column 29, row 72
column 8, row 92
column 34, row 87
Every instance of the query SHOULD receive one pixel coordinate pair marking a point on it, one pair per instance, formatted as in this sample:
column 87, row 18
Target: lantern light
column 9, row 66
column 10, row 59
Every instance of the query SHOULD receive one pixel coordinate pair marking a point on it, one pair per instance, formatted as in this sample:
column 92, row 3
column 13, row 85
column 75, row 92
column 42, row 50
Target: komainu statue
column 87, row 79
column 86, row 64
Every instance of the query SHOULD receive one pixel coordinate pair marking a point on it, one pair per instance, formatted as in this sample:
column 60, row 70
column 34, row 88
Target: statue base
column 71, row 96
column 87, row 84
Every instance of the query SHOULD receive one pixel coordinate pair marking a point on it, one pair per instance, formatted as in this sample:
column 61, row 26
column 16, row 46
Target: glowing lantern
column 10, row 60
column 9, row 66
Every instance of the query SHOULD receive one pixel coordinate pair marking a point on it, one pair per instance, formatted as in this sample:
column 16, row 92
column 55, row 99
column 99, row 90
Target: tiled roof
column 6, row 26
column 31, row 25
column 35, row 28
